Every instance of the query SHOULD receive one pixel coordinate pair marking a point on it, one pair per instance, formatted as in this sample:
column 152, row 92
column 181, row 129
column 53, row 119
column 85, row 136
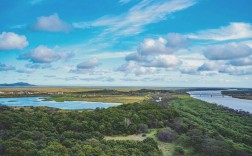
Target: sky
column 163, row 43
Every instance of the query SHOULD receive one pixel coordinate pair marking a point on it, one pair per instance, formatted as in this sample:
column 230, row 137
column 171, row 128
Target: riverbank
column 216, row 96
column 240, row 94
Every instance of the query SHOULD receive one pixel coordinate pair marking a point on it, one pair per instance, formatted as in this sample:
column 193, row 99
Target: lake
column 68, row 105
column 215, row 96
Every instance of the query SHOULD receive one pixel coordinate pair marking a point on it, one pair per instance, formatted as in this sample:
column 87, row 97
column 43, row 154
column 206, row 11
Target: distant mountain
column 18, row 84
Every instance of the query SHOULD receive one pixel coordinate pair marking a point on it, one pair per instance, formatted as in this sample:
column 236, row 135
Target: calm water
column 218, row 98
column 38, row 101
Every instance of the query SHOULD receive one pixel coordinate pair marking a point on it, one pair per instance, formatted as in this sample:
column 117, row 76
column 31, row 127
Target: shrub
column 143, row 128
column 166, row 135
column 179, row 151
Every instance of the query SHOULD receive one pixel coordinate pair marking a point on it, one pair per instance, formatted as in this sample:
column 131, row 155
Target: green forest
column 193, row 128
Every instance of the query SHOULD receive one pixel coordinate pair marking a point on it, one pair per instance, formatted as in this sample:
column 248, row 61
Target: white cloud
column 241, row 62
column 222, row 67
column 133, row 68
column 235, row 30
column 43, row 54
column 154, row 47
column 4, row 67
column 87, row 67
column 140, row 15
column 51, row 23
column 189, row 71
column 154, row 54
column 210, row 66
column 88, row 64
column 168, row 45
column 231, row 70
column 164, row 61
column 11, row 41
column 227, row 51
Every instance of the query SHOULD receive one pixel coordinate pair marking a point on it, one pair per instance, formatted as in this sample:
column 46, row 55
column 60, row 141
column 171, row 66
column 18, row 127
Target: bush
column 143, row 128
column 166, row 135
column 179, row 151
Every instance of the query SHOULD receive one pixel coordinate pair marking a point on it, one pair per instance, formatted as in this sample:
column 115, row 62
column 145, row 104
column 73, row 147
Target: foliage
column 166, row 135
column 45, row 131
column 195, row 127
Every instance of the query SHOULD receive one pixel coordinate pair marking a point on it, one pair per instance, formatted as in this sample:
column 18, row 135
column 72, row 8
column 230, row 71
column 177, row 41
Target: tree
column 143, row 128
column 54, row 149
column 15, row 151
column 166, row 135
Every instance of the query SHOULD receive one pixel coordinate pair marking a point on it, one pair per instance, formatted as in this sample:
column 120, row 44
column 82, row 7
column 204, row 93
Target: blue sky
column 169, row 43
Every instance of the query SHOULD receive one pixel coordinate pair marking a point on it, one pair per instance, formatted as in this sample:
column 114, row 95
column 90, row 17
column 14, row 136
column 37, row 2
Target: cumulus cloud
column 241, row 62
column 227, row 51
column 225, row 68
column 155, row 53
column 168, row 45
column 209, row 66
column 51, row 23
column 140, row 15
column 87, row 66
column 154, row 47
column 43, row 54
column 4, row 67
column 11, row 41
column 189, row 71
column 133, row 68
column 164, row 61
column 135, row 56
column 231, row 70
column 235, row 30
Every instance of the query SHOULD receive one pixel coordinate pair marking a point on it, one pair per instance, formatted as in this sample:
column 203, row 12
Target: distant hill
column 18, row 84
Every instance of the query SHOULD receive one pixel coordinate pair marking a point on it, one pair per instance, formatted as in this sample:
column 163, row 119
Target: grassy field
column 114, row 99
column 166, row 148
column 66, row 89
column 50, row 89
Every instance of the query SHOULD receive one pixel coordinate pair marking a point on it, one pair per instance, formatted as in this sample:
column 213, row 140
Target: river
column 215, row 96
column 68, row 105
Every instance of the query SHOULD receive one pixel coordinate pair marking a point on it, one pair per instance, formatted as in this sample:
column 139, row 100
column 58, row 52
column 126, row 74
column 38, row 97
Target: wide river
column 70, row 105
column 227, row 101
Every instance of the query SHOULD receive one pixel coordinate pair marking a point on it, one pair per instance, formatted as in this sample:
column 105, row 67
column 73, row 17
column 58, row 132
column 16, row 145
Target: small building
column 1, row 92
column 60, row 93
column 159, row 99
column 21, row 93
column 30, row 93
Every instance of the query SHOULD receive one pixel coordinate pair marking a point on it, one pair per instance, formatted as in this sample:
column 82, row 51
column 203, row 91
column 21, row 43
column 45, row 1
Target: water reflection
column 70, row 105
column 228, row 101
